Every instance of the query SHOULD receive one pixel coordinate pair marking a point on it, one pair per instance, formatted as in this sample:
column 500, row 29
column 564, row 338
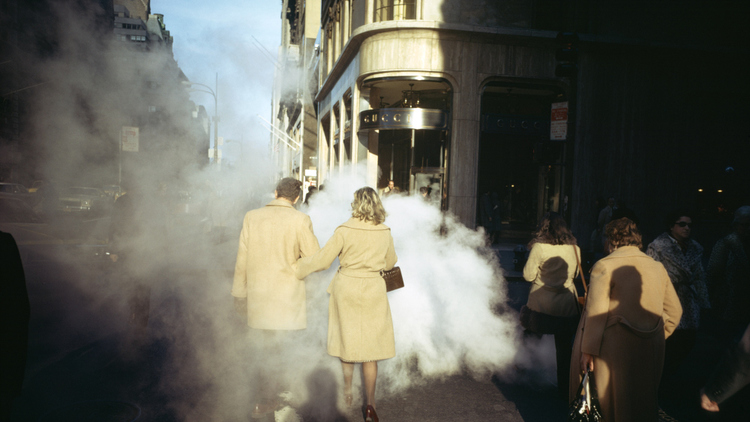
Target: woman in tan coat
column 551, row 268
column 632, row 307
column 360, row 329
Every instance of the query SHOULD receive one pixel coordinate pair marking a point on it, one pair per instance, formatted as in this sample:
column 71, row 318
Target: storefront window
column 394, row 10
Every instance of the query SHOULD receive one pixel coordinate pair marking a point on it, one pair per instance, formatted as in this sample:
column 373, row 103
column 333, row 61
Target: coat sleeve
column 239, row 287
column 322, row 259
column 390, row 255
column 672, row 309
column 597, row 309
column 308, row 242
column 531, row 269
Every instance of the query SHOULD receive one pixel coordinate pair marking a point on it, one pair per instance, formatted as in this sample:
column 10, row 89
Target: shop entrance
column 520, row 174
column 409, row 130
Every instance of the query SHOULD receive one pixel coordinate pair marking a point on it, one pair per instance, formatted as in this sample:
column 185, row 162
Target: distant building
column 295, row 87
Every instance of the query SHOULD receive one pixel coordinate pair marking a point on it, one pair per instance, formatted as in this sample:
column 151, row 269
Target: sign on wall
column 403, row 118
column 558, row 122
column 129, row 138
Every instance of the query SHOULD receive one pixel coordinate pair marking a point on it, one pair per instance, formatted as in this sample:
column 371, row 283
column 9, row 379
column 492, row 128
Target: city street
column 87, row 364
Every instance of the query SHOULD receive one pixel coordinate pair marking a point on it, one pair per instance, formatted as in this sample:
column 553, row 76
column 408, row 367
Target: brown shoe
column 370, row 415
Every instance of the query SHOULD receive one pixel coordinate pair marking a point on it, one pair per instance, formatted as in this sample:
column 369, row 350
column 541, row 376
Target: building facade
column 547, row 105
column 294, row 133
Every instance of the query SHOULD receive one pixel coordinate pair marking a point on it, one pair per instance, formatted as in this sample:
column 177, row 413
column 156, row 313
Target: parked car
column 83, row 199
column 38, row 240
column 18, row 191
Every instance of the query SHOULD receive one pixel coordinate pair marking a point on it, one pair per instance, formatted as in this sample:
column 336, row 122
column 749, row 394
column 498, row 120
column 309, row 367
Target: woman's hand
column 708, row 404
column 587, row 361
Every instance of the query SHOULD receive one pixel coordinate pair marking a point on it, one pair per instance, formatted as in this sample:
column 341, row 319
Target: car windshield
column 84, row 191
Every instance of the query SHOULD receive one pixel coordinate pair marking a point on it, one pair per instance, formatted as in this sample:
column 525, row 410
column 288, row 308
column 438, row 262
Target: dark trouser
column 563, row 351
column 677, row 348
column 271, row 344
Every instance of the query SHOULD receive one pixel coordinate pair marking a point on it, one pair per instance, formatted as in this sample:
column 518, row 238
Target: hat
column 742, row 215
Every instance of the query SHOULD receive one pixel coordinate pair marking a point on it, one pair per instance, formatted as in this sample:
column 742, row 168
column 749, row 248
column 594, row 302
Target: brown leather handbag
column 393, row 278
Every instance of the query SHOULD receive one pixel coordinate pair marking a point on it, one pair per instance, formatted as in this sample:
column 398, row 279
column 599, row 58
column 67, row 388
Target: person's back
column 639, row 284
column 271, row 241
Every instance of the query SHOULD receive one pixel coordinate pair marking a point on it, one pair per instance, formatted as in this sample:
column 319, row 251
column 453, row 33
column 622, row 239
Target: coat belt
column 359, row 273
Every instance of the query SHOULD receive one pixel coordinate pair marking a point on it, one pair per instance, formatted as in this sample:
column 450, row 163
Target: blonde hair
column 367, row 206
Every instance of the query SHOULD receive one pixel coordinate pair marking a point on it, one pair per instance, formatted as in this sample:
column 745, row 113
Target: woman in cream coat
column 551, row 268
column 632, row 307
column 360, row 329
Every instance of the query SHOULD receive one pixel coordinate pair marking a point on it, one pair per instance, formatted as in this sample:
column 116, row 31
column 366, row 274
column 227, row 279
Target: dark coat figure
column 728, row 277
column 138, row 247
column 730, row 376
column 14, row 323
column 489, row 210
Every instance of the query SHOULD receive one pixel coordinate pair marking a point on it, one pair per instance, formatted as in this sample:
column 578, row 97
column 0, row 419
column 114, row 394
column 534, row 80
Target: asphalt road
column 86, row 363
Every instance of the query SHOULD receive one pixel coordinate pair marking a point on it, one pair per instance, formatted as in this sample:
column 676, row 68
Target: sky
column 217, row 37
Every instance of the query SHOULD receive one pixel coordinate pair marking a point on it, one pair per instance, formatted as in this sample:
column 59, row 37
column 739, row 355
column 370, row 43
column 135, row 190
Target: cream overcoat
column 360, row 328
column 271, row 241
column 632, row 307
column 551, row 270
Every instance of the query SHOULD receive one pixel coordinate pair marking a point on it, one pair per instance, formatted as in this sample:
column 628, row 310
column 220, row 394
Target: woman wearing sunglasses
column 681, row 256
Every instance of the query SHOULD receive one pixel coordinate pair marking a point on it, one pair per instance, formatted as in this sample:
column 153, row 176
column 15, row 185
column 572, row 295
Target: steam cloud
column 450, row 318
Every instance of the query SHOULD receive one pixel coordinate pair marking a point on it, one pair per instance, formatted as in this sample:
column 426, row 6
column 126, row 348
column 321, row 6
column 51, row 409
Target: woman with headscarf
column 631, row 308
column 360, row 328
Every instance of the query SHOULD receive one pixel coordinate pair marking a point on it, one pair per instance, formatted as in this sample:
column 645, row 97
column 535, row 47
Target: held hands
column 587, row 361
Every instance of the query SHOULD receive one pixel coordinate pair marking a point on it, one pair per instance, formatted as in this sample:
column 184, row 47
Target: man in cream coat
column 265, row 288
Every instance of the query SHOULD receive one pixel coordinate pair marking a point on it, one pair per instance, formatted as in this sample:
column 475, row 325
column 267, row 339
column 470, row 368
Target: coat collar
column 625, row 251
column 357, row 224
column 280, row 203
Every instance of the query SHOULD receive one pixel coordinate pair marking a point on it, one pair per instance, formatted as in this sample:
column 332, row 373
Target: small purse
column 585, row 406
column 393, row 278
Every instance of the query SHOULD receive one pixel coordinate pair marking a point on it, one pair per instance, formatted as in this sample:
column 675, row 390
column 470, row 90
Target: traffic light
column 567, row 55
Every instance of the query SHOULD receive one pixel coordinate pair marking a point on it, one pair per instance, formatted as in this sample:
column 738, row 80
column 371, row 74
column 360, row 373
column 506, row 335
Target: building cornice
column 510, row 35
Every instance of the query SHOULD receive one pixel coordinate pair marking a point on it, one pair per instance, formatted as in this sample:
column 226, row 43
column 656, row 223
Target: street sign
column 558, row 122
column 129, row 138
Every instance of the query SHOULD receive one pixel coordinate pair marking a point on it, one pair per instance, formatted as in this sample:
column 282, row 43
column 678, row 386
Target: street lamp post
column 215, row 93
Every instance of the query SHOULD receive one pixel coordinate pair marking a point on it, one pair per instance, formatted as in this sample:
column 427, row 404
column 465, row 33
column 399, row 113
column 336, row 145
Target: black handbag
column 585, row 406
column 393, row 279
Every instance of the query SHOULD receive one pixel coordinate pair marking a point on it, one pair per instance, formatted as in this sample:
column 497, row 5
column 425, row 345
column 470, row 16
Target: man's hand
column 240, row 306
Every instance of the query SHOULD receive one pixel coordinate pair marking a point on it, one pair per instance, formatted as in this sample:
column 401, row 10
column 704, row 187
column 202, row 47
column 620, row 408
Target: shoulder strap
column 580, row 270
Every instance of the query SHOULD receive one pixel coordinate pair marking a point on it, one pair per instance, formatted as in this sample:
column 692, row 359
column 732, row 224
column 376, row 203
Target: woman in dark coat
column 682, row 258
